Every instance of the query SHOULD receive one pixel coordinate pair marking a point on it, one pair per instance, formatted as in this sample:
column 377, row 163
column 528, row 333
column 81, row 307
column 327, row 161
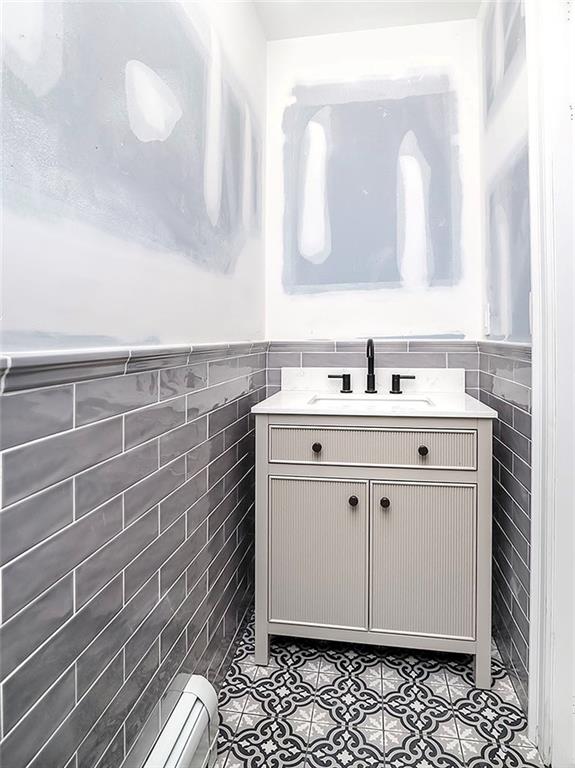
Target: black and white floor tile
column 329, row 705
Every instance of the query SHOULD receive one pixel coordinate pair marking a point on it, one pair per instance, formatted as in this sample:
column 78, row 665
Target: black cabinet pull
column 316, row 447
column 353, row 501
column 423, row 450
column 385, row 502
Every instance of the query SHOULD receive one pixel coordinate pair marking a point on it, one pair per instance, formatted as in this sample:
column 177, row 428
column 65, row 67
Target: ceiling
column 297, row 18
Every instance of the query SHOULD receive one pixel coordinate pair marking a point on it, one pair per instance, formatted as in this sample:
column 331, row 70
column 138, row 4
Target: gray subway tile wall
column 101, row 398
column 127, row 527
column 49, row 411
column 126, row 541
column 31, row 521
column 505, row 384
column 34, row 466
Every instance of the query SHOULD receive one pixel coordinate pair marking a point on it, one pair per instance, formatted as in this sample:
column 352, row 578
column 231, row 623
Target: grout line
column 126, row 363
column 5, row 374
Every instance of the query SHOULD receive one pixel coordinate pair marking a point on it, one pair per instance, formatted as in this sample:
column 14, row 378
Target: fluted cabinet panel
column 374, row 447
column 423, row 559
column 318, row 552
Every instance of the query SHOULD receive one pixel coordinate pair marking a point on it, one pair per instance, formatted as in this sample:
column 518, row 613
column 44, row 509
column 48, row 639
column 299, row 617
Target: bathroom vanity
column 373, row 514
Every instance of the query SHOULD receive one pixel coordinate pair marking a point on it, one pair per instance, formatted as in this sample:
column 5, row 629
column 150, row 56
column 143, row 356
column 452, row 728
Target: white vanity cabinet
column 375, row 530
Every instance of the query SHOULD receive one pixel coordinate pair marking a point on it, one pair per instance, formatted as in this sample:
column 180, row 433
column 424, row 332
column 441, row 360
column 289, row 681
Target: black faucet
column 345, row 381
column 396, row 383
column 371, row 390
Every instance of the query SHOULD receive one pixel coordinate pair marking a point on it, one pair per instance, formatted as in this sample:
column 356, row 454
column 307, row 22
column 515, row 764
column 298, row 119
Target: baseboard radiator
column 188, row 738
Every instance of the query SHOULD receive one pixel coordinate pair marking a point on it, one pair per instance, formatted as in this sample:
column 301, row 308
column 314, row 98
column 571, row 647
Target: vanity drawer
column 373, row 446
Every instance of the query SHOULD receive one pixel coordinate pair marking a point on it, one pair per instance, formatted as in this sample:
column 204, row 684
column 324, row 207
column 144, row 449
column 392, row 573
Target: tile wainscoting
column 505, row 385
column 126, row 527
column 126, row 541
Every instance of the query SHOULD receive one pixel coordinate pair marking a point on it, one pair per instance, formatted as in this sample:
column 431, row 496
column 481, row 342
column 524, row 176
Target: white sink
column 372, row 402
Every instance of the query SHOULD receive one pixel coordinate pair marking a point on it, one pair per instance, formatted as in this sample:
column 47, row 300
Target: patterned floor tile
column 351, row 701
column 235, row 703
column 416, row 708
column 492, row 718
column 370, row 676
column 460, row 674
column 270, row 741
column 283, row 692
column 229, row 722
column 497, row 755
column 423, row 751
column 345, row 747
column 322, row 705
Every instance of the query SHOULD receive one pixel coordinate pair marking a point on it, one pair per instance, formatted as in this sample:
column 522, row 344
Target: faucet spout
column 370, row 389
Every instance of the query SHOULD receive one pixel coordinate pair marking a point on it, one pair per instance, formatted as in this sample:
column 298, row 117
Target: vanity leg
column 262, row 650
column 483, row 668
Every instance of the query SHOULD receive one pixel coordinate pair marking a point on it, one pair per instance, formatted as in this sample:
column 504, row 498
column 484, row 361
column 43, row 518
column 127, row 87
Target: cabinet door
column 318, row 551
column 423, row 539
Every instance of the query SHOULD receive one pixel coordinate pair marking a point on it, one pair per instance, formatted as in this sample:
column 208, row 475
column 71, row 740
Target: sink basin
column 383, row 402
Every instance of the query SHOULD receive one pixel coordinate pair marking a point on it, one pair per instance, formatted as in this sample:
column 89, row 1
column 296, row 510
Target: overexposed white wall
column 504, row 147
column 444, row 48
column 69, row 282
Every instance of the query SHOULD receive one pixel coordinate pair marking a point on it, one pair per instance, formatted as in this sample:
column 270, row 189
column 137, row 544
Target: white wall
column 505, row 171
column 68, row 281
column 451, row 48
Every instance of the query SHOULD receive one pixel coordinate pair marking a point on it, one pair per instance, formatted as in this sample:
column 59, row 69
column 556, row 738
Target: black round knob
column 423, row 450
column 385, row 502
column 353, row 501
column 316, row 447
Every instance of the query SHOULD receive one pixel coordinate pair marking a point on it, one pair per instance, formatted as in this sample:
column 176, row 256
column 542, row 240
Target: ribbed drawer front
column 364, row 446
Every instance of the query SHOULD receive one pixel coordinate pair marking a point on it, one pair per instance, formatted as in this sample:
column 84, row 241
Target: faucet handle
column 396, row 383
column 345, row 381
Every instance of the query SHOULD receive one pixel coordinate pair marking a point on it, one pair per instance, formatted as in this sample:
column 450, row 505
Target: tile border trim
column 33, row 370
